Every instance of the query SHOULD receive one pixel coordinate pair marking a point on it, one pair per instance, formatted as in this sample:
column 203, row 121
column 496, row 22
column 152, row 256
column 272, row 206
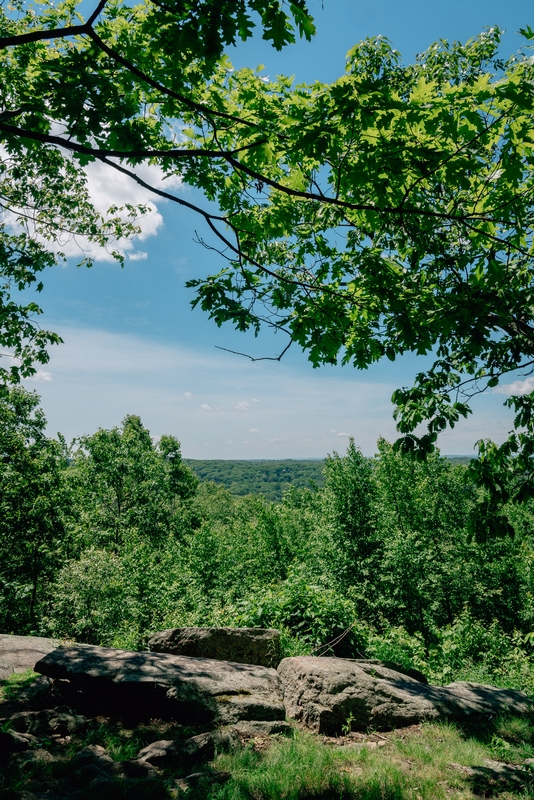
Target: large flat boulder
column 192, row 690
column 326, row 694
column 20, row 653
column 242, row 645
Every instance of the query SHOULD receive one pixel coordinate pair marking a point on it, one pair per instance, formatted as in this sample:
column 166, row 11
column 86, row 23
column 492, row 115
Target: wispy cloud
column 99, row 377
column 242, row 406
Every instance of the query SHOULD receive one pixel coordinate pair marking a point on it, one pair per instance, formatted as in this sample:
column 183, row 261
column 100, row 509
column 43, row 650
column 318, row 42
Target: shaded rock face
column 259, row 646
column 493, row 777
column 192, row 690
column 390, row 665
column 20, row 653
column 326, row 694
column 60, row 721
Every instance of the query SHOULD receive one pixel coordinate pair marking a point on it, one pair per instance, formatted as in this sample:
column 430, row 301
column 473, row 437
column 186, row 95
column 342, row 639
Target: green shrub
column 314, row 618
column 396, row 644
column 93, row 602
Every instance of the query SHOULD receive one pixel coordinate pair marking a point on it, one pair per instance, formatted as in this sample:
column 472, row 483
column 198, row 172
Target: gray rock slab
column 324, row 694
column 6, row 669
column 263, row 728
column 15, row 742
column 374, row 663
column 204, row 746
column 163, row 753
column 93, row 754
column 192, row 690
column 20, row 653
column 39, row 756
column 201, row 779
column 259, row 646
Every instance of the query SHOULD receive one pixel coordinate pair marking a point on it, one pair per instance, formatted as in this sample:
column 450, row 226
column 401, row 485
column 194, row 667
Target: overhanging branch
column 46, row 138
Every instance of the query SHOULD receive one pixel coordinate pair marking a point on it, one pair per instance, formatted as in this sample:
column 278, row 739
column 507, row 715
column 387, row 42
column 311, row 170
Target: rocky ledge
column 190, row 708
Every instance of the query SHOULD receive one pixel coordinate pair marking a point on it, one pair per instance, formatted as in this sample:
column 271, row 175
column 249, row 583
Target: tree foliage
column 32, row 502
column 390, row 211
column 381, row 562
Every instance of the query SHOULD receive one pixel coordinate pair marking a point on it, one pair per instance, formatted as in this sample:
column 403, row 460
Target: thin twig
column 252, row 358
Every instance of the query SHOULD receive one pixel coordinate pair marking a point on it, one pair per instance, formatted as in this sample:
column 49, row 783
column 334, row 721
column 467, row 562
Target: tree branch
column 46, row 138
column 53, row 33
column 191, row 104
column 321, row 198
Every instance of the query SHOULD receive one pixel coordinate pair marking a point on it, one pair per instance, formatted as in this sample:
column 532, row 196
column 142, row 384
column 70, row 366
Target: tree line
column 113, row 537
column 269, row 478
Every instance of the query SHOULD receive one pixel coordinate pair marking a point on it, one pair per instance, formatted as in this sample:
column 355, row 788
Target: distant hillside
column 460, row 459
column 268, row 478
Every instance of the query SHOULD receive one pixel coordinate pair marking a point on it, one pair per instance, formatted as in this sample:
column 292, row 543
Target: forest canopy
column 112, row 538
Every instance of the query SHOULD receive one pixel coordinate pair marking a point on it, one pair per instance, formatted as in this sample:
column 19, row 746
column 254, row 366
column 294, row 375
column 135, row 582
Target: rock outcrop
column 259, row 646
column 326, row 694
column 195, row 690
column 20, row 653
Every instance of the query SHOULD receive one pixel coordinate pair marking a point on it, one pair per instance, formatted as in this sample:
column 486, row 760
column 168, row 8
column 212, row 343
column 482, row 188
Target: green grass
column 412, row 765
column 11, row 687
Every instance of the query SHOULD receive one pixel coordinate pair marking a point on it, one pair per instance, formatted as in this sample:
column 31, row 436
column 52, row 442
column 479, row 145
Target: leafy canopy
column 388, row 212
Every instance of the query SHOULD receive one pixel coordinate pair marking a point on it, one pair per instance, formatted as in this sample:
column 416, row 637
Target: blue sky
column 134, row 346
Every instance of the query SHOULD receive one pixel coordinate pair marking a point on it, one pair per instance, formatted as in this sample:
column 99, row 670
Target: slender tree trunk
column 35, row 580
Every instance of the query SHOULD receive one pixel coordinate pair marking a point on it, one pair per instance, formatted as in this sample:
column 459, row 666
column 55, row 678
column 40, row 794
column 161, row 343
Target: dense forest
column 114, row 537
column 268, row 478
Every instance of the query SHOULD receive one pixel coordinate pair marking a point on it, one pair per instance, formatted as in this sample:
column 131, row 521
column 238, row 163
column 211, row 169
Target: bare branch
column 252, row 358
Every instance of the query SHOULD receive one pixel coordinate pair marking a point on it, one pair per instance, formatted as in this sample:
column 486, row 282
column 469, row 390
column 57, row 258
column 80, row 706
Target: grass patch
column 412, row 765
column 11, row 687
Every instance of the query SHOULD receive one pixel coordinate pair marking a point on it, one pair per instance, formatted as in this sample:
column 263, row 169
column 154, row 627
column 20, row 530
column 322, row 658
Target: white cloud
column 342, row 434
column 245, row 441
column 255, row 400
column 242, row 406
column 205, row 407
column 253, row 430
column 41, row 376
column 107, row 187
column 517, row 387
column 188, row 395
column 333, row 430
column 272, row 441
